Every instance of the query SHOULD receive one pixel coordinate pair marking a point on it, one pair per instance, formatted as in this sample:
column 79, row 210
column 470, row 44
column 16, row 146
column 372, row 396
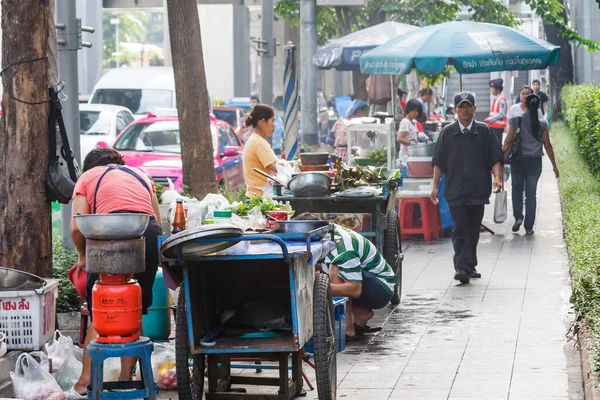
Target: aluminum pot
column 12, row 279
column 314, row 158
column 310, row 184
column 118, row 226
column 300, row 227
column 421, row 150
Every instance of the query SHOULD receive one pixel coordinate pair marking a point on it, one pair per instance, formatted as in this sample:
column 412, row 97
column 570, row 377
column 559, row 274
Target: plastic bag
column 32, row 382
column 163, row 365
column 211, row 202
column 194, row 213
column 66, row 369
column 256, row 218
column 500, row 207
column 285, row 170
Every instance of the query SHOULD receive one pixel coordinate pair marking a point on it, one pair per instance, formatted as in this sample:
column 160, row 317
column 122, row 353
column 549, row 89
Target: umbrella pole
column 460, row 82
column 393, row 97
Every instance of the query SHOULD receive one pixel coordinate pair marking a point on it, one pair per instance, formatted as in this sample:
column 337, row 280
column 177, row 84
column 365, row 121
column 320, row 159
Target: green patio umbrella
column 470, row 47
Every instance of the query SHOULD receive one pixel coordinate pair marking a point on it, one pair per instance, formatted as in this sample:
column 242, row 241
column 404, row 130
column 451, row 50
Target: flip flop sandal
column 361, row 330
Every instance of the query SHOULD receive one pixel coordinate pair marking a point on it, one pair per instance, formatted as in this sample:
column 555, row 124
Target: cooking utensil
column 301, row 227
column 270, row 177
column 12, row 279
column 310, row 184
column 421, row 149
column 189, row 247
column 116, row 226
column 314, row 168
column 314, row 158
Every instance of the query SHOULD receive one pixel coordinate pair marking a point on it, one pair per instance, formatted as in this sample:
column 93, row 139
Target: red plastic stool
column 430, row 219
column 83, row 325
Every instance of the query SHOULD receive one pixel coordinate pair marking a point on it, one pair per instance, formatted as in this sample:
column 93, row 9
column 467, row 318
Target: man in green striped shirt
column 358, row 271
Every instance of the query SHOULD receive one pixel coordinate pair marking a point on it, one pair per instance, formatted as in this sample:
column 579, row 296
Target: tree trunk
column 192, row 98
column 562, row 73
column 25, row 233
column 359, row 84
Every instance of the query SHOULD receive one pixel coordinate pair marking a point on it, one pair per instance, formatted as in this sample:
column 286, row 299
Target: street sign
column 342, row 3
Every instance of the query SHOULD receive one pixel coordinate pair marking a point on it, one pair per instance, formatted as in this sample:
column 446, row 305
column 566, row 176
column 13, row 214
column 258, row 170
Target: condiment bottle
column 179, row 218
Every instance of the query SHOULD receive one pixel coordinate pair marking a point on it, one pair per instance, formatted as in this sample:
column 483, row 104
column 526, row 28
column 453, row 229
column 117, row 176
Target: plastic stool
column 83, row 324
column 144, row 389
column 430, row 220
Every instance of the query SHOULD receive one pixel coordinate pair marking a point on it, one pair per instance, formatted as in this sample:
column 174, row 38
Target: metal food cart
column 278, row 269
column 386, row 230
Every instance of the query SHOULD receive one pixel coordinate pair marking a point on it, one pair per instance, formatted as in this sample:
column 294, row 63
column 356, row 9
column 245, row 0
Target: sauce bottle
column 179, row 218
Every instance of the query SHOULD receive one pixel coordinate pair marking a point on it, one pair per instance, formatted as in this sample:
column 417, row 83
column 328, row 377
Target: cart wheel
column 392, row 251
column 190, row 380
column 324, row 339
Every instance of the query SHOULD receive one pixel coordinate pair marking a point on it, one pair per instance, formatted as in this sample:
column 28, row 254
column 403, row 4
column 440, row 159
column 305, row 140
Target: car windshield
column 139, row 101
column 94, row 122
column 228, row 116
column 154, row 137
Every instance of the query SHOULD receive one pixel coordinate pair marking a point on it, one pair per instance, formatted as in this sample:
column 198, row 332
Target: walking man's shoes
column 517, row 225
column 462, row 276
column 474, row 274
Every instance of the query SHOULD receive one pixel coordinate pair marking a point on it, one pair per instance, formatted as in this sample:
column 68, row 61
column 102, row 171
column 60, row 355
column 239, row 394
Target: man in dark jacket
column 466, row 151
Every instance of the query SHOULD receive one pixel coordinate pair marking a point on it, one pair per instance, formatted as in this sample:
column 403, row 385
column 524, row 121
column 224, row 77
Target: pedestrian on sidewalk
column 466, row 151
column 497, row 119
column 526, row 170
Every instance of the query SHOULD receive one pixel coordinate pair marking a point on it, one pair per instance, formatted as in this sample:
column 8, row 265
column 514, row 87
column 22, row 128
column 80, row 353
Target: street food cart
column 274, row 269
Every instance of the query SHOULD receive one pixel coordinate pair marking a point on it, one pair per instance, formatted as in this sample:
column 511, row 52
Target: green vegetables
column 257, row 201
column 349, row 177
column 379, row 155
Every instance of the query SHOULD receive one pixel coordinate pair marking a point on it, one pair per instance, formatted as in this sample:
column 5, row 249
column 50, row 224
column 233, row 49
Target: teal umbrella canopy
column 470, row 47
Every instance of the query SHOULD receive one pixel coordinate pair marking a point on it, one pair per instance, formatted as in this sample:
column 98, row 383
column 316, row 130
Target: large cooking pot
column 12, row 279
column 314, row 158
column 117, row 226
column 310, row 184
column 421, row 150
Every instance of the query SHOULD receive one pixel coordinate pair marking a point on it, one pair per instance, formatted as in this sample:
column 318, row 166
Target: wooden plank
column 284, row 388
column 254, row 380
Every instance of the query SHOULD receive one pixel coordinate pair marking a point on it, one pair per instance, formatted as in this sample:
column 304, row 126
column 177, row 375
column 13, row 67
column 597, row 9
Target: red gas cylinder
column 117, row 309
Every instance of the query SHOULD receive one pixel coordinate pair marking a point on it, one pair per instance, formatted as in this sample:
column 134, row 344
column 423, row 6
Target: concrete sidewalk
column 503, row 336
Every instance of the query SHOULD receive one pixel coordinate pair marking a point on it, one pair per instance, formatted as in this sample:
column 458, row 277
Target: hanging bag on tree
column 63, row 169
column 513, row 153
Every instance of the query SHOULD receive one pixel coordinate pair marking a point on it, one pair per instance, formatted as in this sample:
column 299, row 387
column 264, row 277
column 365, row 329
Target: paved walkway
column 501, row 337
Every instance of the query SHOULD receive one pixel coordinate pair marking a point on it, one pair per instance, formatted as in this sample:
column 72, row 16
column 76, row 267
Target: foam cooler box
column 339, row 312
column 28, row 316
column 419, row 167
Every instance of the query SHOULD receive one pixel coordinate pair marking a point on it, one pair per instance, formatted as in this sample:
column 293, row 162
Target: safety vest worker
column 498, row 112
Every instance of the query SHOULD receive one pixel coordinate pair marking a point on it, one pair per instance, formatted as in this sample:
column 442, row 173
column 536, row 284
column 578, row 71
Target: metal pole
column 308, row 73
column 117, row 45
column 67, row 72
column 166, row 37
column 266, row 62
column 393, row 97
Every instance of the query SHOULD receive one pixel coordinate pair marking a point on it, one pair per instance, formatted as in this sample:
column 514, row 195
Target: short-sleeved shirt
column 356, row 253
column 517, row 111
column 412, row 133
column 467, row 160
column 118, row 191
column 257, row 154
column 532, row 146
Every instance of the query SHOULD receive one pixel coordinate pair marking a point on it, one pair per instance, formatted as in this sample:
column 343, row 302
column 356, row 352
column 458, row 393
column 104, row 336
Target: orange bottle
column 179, row 218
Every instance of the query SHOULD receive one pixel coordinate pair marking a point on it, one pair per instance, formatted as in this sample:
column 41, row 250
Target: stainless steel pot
column 314, row 158
column 116, row 226
column 299, row 226
column 12, row 279
column 310, row 184
column 421, row 150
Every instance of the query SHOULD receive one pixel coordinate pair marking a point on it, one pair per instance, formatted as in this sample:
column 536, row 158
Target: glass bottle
column 179, row 218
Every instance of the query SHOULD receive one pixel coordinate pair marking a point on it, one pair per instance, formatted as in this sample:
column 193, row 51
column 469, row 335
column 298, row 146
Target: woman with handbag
column 523, row 147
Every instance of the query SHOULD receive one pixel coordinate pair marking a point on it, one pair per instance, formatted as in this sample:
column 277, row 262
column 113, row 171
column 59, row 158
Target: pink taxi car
column 152, row 144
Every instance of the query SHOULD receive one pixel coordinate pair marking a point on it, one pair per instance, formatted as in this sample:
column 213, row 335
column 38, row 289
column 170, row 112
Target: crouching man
column 358, row 271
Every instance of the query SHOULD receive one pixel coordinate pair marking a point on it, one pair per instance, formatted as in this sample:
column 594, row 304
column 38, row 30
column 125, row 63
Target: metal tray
column 189, row 246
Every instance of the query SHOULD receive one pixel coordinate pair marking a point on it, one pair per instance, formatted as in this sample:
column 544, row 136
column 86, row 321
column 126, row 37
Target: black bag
column 63, row 170
column 513, row 153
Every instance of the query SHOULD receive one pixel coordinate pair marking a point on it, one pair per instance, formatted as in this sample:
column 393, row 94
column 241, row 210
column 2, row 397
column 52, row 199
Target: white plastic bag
column 500, row 207
column 32, row 382
column 285, row 170
column 66, row 369
column 256, row 218
column 163, row 366
column 212, row 202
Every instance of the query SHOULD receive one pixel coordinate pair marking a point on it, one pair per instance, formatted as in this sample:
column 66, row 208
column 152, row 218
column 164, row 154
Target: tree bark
column 192, row 98
column 562, row 73
column 25, row 232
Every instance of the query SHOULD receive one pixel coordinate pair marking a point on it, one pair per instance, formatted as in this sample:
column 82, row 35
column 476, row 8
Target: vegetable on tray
column 264, row 204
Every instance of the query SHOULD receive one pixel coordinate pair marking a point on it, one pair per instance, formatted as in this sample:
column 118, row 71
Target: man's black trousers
column 465, row 235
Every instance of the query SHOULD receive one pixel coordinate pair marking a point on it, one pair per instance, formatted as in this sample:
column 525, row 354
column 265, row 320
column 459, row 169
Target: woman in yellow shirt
column 257, row 151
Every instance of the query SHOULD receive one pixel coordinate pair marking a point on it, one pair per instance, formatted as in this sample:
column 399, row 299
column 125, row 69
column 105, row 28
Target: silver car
column 101, row 123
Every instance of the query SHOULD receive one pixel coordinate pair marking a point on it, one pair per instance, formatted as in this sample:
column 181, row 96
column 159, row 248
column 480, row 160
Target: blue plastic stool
column 144, row 389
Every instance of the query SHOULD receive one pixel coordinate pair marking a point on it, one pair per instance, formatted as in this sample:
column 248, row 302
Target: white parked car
column 101, row 123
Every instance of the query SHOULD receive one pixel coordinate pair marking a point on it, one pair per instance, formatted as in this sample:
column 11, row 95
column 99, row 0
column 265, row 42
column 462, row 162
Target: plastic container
column 419, row 167
column 28, row 316
column 157, row 323
column 222, row 216
column 339, row 312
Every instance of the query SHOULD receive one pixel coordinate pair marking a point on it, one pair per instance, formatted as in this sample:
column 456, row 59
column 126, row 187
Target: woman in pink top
column 108, row 186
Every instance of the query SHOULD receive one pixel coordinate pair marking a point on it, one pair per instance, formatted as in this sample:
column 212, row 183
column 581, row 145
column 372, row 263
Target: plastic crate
column 339, row 312
column 28, row 316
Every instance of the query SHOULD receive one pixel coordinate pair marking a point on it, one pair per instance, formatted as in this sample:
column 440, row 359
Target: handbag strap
column 66, row 148
column 52, row 124
column 124, row 169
